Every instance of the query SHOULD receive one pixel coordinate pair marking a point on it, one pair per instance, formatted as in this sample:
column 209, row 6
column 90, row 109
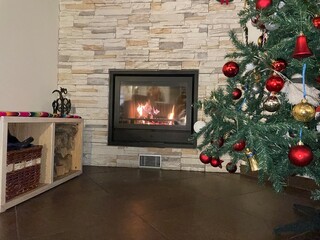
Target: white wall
column 253, row 33
column 28, row 54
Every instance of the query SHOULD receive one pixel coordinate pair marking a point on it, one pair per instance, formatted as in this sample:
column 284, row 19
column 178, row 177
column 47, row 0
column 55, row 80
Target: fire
column 171, row 116
column 146, row 110
column 140, row 110
column 148, row 115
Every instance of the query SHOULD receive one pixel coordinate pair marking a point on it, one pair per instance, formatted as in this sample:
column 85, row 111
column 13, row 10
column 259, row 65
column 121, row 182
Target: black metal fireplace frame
column 145, row 135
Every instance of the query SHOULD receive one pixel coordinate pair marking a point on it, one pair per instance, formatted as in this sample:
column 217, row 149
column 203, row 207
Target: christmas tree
column 266, row 113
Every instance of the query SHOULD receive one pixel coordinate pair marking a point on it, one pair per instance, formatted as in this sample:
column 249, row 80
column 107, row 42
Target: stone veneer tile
column 175, row 63
column 190, row 64
column 87, row 13
column 174, row 19
column 155, row 6
column 79, row 6
column 103, row 30
column 137, row 42
column 170, row 45
column 114, row 10
column 93, row 47
column 138, row 19
column 97, row 81
column 94, row 1
column 63, row 58
column 64, row 66
column 160, row 30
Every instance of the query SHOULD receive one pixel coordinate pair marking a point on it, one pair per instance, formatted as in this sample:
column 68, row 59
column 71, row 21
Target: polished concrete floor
column 145, row 204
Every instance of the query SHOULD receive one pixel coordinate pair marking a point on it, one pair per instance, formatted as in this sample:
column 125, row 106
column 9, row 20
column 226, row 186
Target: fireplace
column 152, row 108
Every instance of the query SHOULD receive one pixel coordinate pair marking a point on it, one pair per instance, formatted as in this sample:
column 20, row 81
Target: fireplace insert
column 152, row 108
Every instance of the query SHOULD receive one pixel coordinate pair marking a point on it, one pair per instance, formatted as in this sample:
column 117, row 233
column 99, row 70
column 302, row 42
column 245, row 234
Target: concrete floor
column 146, row 204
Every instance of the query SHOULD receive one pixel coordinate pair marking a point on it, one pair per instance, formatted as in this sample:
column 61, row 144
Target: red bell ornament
column 236, row 94
column 230, row 69
column 274, row 83
column 300, row 155
column 279, row 65
column 301, row 49
column 262, row 4
column 316, row 22
column 204, row 158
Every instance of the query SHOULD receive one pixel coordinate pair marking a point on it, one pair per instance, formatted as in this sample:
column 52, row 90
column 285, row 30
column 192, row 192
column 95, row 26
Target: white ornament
column 198, row 125
column 249, row 67
column 271, row 26
column 281, row 4
column 296, row 77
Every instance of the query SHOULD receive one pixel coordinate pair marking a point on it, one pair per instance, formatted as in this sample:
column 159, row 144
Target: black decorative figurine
column 61, row 105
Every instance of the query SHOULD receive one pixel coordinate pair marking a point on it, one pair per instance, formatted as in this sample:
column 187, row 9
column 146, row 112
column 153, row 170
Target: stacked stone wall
column 98, row 35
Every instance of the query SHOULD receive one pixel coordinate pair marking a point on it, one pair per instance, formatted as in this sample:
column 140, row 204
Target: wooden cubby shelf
column 61, row 158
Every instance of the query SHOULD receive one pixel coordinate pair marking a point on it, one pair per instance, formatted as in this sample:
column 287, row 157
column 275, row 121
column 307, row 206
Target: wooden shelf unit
column 43, row 131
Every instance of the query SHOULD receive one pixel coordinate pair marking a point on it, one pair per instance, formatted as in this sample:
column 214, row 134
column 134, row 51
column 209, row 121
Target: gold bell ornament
column 303, row 111
column 252, row 160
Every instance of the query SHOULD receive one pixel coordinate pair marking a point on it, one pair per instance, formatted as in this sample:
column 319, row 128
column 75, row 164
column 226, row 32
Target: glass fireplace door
column 152, row 104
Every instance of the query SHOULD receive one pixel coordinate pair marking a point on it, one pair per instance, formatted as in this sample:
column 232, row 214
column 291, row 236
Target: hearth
column 152, row 108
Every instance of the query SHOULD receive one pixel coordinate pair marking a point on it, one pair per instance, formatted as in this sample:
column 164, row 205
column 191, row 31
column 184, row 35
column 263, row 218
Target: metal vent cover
column 149, row 161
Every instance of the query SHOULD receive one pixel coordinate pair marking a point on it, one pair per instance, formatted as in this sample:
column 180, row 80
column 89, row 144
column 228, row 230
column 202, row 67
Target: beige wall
column 28, row 59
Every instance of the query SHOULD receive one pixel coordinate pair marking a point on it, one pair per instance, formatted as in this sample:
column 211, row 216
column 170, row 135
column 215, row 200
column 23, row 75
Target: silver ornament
column 255, row 88
column 271, row 104
column 271, row 26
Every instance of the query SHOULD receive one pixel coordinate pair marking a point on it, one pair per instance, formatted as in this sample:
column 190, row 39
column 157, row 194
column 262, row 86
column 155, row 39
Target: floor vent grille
column 150, row 161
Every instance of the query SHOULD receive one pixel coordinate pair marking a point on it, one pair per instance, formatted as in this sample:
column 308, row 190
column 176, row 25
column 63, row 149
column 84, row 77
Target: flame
column 146, row 110
column 171, row 115
column 140, row 109
column 148, row 115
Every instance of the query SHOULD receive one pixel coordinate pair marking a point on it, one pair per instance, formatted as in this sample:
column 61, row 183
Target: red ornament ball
column 216, row 162
column 318, row 79
column 316, row 22
column 239, row 146
column 300, row 155
column 236, row 93
column 279, row 65
column 231, row 167
column 262, row 4
column 205, row 158
column 274, row 83
column 230, row 69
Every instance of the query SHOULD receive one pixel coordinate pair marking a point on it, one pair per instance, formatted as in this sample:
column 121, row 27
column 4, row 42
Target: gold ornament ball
column 260, row 41
column 303, row 111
